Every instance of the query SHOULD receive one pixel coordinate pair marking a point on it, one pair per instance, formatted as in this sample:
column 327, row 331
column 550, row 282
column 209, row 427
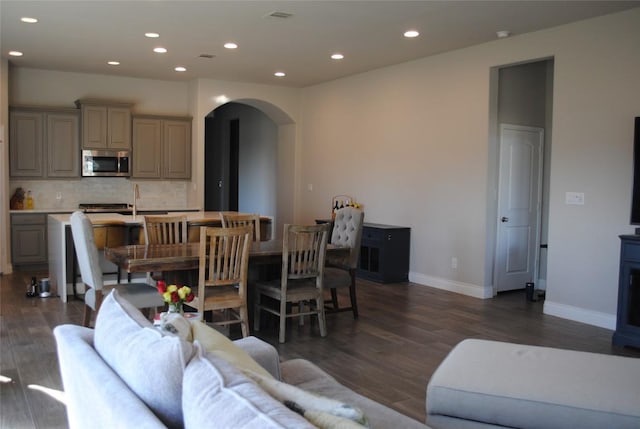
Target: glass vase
column 176, row 308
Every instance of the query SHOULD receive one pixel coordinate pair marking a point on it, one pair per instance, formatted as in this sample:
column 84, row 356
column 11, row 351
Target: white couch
column 125, row 374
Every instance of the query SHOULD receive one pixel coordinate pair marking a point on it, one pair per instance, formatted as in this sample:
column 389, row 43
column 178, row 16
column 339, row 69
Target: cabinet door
column 26, row 145
column 147, row 144
column 28, row 244
column 176, row 162
column 119, row 128
column 94, row 127
column 63, row 145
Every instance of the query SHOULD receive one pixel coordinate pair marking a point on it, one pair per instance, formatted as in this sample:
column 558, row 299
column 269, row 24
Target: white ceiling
column 83, row 35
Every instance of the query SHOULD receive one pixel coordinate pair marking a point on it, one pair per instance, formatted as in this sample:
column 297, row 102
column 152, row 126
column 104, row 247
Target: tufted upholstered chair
column 141, row 295
column 341, row 273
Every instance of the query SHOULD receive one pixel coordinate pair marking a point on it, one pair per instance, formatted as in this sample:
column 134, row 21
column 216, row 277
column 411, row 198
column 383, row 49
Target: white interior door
column 519, row 198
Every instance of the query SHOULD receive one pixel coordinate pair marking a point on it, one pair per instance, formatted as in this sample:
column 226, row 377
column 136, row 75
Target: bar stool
column 106, row 233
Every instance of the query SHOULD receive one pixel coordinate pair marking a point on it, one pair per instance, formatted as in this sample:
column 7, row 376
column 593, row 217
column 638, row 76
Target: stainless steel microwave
column 105, row 163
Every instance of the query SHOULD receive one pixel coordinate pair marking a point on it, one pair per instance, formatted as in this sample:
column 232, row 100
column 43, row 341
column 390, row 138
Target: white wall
column 411, row 143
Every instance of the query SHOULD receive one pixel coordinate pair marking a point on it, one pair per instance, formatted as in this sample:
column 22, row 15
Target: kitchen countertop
column 138, row 220
column 139, row 209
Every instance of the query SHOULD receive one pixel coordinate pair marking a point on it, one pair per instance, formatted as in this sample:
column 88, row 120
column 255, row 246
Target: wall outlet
column 574, row 198
column 454, row 262
column 58, row 195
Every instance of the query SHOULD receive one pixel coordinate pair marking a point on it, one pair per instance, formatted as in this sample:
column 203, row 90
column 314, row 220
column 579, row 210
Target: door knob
column 504, row 219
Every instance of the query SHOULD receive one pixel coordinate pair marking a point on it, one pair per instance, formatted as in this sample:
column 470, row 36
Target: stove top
column 106, row 208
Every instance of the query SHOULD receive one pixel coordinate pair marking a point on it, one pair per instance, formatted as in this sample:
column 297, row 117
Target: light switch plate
column 574, row 198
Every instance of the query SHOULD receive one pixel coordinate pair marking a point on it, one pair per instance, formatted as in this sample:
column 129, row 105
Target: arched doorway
column 240, row 160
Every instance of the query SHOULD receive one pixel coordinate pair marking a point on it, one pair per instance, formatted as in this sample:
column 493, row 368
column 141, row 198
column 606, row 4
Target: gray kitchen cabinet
column 161, row 147
column 105, row 125
column 28, row 239
column 44, row 143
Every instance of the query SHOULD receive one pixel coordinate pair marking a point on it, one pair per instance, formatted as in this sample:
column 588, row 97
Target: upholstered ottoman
column 512, row 385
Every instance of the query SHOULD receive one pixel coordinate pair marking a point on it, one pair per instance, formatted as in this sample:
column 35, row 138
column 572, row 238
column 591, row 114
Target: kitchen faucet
column 136, row 196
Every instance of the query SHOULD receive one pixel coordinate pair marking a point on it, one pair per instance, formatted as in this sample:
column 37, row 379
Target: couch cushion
column 221, row 346
column 217, row 394
column 308, row 376
column 531, row 387
column 152, row 365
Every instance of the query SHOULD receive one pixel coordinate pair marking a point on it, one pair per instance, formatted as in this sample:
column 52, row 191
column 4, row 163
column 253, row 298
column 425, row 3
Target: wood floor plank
column 388, row 354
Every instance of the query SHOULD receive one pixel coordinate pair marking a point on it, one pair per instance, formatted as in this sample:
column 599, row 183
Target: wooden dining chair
column 233, row 220
column 141, row 295
column 165, row 229
column 341, row 272
column 222, row 283
column 301, row 280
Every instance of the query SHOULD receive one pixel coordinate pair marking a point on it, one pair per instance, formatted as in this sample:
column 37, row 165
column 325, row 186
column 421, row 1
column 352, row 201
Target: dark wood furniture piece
column 384, row 253
column 627, row 331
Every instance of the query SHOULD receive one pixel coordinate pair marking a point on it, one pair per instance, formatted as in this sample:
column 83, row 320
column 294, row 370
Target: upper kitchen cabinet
column 44, row 143
column 105, row 125
column 161, row 147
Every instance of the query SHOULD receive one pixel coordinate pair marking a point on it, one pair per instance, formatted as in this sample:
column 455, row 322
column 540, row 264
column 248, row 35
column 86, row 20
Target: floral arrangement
column 173, row 295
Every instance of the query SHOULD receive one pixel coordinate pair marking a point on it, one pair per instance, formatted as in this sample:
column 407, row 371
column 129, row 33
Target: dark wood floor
column 388, row 354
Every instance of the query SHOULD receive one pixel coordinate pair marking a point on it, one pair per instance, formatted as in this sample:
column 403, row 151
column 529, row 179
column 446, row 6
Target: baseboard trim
column 582, row 315
column 452, row 285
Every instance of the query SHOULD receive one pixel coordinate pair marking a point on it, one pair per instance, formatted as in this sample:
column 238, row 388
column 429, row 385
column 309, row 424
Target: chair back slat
column 304, row 250
column 165, row 229
column 234, row 220
column 224, row 256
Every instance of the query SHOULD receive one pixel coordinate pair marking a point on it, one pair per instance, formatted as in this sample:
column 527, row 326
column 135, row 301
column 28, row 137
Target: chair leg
column 321, row 320
column 244, row 321
column 86, row 318
column 334, row 299
column 300, row 310
column 256, row 312
column 352, row 294
column 283, row 319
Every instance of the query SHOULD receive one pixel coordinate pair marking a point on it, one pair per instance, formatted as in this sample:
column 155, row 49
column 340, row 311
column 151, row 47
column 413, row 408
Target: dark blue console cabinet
column 384, row 253
column 628, row 319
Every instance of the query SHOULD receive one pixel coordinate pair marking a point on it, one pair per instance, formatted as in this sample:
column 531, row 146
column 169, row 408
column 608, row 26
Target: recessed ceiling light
column 180, row 69
column 159, row 50
column 152, row 35
column 113, row 63
column 28, row 20
column 503, row 33
column 411, row 33
column 230, row 45
column 337, row 56
column 279, row 74
column 15, row 53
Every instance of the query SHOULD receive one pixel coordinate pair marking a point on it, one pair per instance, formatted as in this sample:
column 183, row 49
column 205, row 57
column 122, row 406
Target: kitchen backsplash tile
column 153, row 195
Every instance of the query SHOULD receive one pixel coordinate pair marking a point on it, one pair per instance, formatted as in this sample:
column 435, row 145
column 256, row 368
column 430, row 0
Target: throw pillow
column 152, row 365
column 217, row 394
column 221, row 346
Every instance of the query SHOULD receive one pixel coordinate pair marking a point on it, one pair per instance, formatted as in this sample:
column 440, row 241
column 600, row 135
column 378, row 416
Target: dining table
column 186, row 256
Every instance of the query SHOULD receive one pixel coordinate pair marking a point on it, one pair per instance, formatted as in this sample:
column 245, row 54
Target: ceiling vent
column 206, row 56
column 278, row 14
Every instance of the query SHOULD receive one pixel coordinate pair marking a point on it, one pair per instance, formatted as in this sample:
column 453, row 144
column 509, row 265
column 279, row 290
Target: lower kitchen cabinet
column 28, row 239
column 384, row 253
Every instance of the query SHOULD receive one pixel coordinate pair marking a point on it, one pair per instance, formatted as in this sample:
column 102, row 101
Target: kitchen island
column 60, row 244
